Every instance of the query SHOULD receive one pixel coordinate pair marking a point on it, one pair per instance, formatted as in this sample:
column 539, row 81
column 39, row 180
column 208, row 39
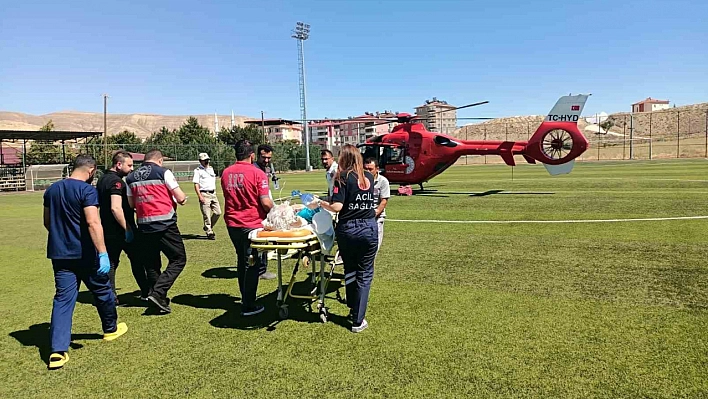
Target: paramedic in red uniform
column 246, row 204
column 154, row 192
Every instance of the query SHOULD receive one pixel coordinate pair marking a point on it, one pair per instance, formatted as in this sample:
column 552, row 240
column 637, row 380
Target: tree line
column 181, row 144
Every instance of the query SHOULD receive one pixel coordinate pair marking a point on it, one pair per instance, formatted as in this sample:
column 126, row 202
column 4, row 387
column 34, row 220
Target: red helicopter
column 410, row 154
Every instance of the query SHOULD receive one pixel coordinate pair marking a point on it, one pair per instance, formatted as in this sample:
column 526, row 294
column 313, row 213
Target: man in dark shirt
column 75, row 237
column 264, row 162
column 118, row 220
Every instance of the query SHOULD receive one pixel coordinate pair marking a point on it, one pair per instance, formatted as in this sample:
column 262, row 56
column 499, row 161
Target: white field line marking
column 547, row 221
column 575, row 178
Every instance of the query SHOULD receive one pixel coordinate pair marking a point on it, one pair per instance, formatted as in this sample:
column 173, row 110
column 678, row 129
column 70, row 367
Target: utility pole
column 105, row 132
column 265, row 140
column 302, row 33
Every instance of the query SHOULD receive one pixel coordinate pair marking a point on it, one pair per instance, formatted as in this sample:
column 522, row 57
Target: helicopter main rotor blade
column 462, row 107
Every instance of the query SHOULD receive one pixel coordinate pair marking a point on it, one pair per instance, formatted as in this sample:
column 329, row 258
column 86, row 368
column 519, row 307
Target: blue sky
column 182, row 57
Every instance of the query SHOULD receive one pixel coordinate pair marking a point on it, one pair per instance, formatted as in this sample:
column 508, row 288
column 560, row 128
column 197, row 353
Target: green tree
column 126, row 140
column 607, row 125
column 250, row 132
column 44, row 151
column 191, row 132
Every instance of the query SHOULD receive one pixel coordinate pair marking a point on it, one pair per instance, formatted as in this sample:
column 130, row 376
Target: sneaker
column 360, row 328
column 163, row 304
column 268, row 276
column 57, row 360
column 120, row 330
column 211, row 236
column 253, row 311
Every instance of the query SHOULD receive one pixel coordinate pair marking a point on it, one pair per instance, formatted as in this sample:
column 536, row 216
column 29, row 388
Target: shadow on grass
column 125, row 300
column 38, row 336
column 193, row 237
column 226, row 272
column 446, row 194
column 298, row 309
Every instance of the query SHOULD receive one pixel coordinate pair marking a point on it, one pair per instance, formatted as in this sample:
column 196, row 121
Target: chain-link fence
column 640, row 136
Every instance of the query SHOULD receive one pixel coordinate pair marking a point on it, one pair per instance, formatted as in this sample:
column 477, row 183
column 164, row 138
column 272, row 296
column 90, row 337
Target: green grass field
column 566, row 310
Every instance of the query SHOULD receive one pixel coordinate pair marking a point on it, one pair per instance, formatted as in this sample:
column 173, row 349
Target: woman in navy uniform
column 357, row 232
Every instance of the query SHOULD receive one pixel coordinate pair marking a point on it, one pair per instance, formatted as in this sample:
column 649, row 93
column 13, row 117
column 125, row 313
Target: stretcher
column 307, row 250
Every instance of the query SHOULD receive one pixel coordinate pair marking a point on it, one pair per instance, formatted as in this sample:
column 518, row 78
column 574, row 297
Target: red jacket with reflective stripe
column 154, row 205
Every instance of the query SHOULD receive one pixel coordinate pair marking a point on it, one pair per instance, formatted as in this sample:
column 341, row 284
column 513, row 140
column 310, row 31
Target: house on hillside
column 650, row 105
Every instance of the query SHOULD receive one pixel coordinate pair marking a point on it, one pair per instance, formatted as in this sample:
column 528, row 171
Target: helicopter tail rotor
column 558, row 141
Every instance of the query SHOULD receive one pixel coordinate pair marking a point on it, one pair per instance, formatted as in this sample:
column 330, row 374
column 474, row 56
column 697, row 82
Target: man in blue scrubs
column 78, row 253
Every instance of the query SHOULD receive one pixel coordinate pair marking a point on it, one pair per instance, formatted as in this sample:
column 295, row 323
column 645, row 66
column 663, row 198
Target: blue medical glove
column 104, row 264
column 129, row 235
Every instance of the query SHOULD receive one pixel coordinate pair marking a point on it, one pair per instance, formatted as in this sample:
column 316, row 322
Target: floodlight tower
column 302, row 33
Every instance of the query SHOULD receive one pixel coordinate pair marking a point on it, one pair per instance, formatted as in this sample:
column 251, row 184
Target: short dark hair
column 84, row 161
column 153, row 154
column 371, row 160
column 328, row 152
column 244, row 149
column 120, row 156
column 265, row 148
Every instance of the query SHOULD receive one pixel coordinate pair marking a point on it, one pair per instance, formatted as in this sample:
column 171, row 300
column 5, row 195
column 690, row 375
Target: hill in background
column 143, row 125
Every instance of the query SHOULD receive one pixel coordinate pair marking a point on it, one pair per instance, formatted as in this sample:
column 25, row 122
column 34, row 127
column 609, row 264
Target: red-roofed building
column 336, row 133
column 279, row 129
column 10, row 156
column 650, row 105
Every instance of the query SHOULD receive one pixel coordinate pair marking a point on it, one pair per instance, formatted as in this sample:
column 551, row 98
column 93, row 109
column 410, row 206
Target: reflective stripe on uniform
column 157, row 218
column 147, row 183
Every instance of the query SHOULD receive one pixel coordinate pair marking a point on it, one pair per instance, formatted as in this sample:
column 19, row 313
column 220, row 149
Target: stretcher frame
column 308, row 248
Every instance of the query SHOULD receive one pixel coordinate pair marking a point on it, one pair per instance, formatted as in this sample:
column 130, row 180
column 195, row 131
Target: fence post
column 528, row 130
column 678, row 135
column 651, row 141
column 631, row 136
column 599, row 137
column 506, row 131
column 485, row 139
column 624, row 137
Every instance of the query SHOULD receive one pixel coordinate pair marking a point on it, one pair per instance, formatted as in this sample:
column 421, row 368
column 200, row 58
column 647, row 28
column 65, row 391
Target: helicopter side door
column 393, row 160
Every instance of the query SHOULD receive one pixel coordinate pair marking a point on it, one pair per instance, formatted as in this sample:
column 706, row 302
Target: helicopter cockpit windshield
column 384, row 154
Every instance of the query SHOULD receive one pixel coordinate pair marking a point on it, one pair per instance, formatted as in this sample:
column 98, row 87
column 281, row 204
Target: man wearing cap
column 205, row 185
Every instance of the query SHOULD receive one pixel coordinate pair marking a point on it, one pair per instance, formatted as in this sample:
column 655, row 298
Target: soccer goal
column 40, row 177
column 183, row 170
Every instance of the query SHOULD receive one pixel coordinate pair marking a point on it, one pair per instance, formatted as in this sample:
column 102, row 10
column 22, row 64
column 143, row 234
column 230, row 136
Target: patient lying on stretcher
column 283, row 221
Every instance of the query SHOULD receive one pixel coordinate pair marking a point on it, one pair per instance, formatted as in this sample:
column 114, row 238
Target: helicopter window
column 445, row 141
column 394, row 155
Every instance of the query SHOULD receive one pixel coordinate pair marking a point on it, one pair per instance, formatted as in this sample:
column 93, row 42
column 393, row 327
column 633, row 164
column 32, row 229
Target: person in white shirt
column 329, row 163
column 205, row 186
column 382, row 192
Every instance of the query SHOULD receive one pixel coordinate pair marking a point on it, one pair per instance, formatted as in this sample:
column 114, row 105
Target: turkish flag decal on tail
column 575, row 107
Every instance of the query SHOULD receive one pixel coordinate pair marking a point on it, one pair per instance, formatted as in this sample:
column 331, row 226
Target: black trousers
column 247, row 273
column 114, row 246
column 358, row 243
column 168, row 242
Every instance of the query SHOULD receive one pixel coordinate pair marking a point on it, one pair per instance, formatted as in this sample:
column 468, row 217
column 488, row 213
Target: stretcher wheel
column 283, row 313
